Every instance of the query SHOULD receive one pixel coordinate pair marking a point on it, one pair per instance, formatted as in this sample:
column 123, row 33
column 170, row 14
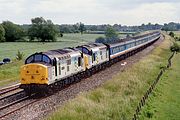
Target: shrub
column 171, row 34
column 175, row 47
column 19, row 55
column 176, row 38
column 100, row 40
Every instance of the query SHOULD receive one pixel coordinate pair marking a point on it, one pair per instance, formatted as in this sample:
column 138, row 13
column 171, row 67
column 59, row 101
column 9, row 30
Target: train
column 61, row 67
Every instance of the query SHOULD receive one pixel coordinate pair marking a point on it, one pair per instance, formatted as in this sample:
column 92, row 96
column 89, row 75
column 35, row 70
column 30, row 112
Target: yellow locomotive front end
column 33, row 76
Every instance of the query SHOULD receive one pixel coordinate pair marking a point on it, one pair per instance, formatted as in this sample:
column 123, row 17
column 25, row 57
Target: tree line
column 100, row 29
column 39, row 30
column 45, row 30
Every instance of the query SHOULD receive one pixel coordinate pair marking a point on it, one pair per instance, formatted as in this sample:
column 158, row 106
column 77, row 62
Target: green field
column 164, row 104
column 177, row 33
column 117, row 98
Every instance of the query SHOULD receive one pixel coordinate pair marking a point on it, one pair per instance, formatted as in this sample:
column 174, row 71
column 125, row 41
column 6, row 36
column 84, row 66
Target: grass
column 177, row 33
column 10, row 72
column 164, row 104
column 117, row 98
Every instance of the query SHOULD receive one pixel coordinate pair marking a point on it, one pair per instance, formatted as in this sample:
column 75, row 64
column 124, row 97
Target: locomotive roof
column 61, row 53
column 92, row 46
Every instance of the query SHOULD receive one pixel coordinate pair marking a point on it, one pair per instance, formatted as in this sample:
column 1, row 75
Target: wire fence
column 151, row 88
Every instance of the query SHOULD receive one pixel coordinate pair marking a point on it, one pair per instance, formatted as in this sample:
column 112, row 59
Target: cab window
column 46, row 59
column 37, row 58
column 30, row 59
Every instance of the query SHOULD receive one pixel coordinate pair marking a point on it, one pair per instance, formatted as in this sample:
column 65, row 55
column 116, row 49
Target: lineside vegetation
column 164, row 102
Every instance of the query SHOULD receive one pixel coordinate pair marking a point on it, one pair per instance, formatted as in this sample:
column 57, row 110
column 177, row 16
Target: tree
column 13, row 32
column 111, row 35
column 2, row 34
column 43, row 30
column 81, row 27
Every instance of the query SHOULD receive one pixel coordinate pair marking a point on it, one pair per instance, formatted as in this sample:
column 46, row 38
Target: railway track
column 9, row 89
column 14, row 97
column 10, row 94
column 18, row 105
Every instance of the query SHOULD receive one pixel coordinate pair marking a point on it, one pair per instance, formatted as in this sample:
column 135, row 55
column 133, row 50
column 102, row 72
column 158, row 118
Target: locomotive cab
column 34, row 74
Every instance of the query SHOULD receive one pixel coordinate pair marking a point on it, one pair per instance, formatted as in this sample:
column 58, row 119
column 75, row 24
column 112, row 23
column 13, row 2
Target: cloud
column 91, row 11
column 154, row 13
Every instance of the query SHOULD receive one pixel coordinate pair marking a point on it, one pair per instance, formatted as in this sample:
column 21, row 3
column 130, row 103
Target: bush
column 19, row 55
column 175, row 47
column 100, row 40
column 171, row 34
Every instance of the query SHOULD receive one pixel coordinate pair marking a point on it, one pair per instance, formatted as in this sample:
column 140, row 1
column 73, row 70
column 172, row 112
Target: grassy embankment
column 164, row 104
column 10, row 72
column 117, row 98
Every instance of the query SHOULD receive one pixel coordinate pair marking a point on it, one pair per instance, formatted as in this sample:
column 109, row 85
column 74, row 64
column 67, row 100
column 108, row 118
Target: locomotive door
column 95, row 58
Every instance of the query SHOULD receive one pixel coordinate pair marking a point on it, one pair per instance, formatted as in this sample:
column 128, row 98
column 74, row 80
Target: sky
column 124, row 12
